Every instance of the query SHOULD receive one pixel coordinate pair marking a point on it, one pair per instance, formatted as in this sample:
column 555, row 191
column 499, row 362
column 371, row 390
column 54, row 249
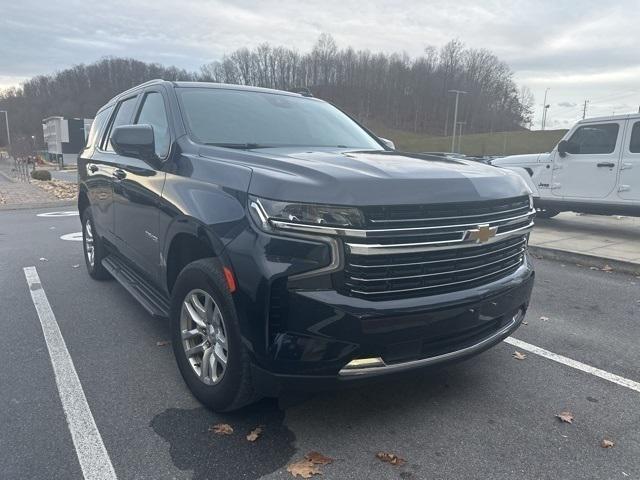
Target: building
column 65, row 137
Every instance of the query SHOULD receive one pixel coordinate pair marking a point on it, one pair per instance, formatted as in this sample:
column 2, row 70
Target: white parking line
column 92, row 454
column 612, row 377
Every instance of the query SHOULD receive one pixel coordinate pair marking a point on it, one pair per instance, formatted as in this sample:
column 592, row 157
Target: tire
column 546, row 213
column 220, row 387
column 94, row 261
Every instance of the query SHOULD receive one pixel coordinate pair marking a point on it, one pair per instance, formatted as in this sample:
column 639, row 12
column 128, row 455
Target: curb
column 585, row 259
column 31, row 206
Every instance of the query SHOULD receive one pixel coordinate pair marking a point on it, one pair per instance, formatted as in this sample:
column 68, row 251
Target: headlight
column 275, row 213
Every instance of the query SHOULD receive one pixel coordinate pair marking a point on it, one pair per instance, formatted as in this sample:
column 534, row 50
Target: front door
column 629, row 187
column 138, row 188
column 591, row 170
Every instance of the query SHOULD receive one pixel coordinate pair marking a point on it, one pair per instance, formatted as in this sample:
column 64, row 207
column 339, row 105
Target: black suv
column 291, row 247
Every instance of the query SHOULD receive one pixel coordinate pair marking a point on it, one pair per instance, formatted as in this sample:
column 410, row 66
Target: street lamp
column 544, row 109
column 455, row 118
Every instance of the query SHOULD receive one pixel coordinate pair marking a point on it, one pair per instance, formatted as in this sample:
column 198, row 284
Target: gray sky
column 580, row 49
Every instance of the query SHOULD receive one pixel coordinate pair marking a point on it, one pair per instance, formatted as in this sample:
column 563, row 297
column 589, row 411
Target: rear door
column 138, row 188
column 94, row 169
column 629, row 188
column 592, row 170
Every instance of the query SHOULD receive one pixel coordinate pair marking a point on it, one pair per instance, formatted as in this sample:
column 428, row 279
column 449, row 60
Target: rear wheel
column 206, row 338
column 546, row 212
column 93, row 247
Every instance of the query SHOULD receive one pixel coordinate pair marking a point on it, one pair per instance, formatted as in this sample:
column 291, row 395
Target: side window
column 153, row 113
column 634, row 146
column 595, row 139
column 123, row 117
column 98, row 126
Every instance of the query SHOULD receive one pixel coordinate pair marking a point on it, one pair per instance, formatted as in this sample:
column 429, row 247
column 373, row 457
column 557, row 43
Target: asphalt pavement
column 491, row 417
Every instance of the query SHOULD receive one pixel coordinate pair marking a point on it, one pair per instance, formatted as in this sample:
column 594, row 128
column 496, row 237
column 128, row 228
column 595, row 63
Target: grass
column 501, row 143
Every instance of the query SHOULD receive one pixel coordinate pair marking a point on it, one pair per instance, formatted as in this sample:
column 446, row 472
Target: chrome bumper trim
column 398, row 367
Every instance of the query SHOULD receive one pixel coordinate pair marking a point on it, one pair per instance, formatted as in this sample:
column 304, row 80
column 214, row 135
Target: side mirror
column 565, row 146
column 388, row 143
column 135, row 141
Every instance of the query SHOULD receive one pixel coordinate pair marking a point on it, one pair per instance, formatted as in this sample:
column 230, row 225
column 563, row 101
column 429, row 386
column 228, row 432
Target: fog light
column 365, row 363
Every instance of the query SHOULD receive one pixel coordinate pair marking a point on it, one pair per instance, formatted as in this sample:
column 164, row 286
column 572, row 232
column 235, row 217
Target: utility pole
column 6, row 116
column 455, row 118
column 460, row 124
column 584, row 109
column 544, row 109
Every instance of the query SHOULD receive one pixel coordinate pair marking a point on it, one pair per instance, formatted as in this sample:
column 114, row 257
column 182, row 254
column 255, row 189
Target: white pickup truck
column 595, row 168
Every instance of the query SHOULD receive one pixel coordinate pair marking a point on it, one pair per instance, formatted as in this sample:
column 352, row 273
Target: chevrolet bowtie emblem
column 481, row 234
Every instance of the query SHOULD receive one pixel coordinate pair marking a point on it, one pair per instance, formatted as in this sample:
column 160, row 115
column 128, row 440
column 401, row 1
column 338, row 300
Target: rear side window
column 123, row 117
column 595, row 139
column 153, row 113
column 98, row 126
column 634, row 146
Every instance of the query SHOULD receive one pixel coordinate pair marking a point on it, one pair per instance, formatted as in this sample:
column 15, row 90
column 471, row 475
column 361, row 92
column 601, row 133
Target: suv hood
column 518, row 160
column 347, row 177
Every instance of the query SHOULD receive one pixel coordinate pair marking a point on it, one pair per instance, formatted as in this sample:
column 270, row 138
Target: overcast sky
column 580, row 49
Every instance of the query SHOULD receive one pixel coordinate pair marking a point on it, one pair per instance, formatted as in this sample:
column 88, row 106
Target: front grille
column 413, row 251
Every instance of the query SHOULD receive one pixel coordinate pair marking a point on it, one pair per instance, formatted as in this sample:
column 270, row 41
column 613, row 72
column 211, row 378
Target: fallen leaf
column 318, row 458
column 565, row 417
column 254, row 434
column 221, row 429
column 607, row 268
column 163, row 343
column 518, row 355
column 606, row 443
column 303, row 468
column 544, row 319
column 391, row 458
column 525, row 323
column 594, row 268
column 76, row 265
column 42, row 259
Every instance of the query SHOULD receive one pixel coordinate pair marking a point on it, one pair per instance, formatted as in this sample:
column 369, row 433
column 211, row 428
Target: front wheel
column 206, row 338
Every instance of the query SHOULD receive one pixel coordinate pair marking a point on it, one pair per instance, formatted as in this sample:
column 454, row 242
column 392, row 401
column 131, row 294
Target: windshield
column 249, row 119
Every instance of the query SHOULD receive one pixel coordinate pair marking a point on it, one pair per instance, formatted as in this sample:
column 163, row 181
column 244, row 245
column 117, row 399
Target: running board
column 148, row 296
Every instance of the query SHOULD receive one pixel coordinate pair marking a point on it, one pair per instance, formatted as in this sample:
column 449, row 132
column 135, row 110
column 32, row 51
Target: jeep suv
column 290, row 247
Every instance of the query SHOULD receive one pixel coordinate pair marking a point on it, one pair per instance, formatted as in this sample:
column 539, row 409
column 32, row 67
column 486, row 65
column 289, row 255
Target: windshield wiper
column 240, row 146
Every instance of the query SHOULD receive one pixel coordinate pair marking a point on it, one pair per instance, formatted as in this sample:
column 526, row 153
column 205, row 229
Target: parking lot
column 493, row 416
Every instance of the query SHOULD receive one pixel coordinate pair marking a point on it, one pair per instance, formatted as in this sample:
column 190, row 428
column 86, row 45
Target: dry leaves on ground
column 221, row 429
column 607, row 268
column 565, row 417
column 544, row 319
column 163, row 343
column 303, row 468
column 606, row 443
column 58, row 188
column 518, row 355
column 255, row 434
column 391, row 458
column 318, row 458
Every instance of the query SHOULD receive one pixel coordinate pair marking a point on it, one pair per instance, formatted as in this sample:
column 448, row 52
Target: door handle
column 93, row 168
column 119, row 174
column 607, row 164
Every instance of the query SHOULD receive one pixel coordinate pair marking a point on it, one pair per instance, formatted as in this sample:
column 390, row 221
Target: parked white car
column 595, row 168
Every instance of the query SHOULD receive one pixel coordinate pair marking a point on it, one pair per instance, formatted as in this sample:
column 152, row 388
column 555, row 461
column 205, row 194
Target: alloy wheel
column 204, row 336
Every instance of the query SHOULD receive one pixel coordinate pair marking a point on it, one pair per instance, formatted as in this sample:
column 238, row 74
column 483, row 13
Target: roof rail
column 304, row 91
column 144, row 84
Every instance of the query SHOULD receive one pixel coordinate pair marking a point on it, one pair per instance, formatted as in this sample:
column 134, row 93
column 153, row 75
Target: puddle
column 211, row 456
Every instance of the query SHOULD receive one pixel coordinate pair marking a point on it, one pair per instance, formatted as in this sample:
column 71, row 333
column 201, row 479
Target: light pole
column 455, row 118
column 544, row 109
column 461, row 124
column 6, row 117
